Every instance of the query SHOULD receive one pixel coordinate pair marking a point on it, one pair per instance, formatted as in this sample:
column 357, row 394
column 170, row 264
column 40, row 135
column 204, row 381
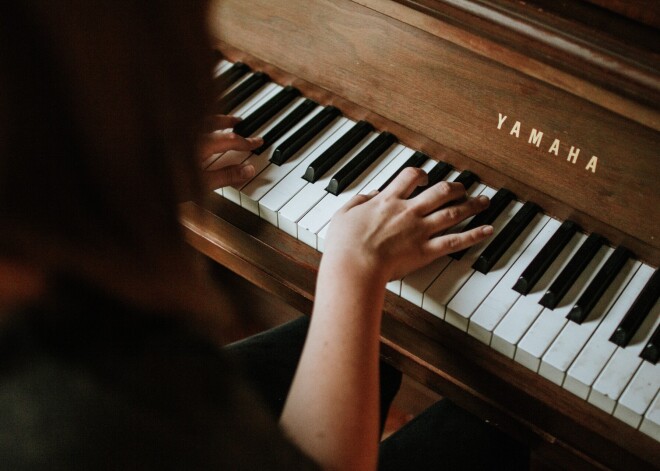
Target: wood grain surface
column 454, row 96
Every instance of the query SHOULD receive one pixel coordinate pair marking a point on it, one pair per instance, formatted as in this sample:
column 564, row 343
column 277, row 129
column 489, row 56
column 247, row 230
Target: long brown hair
column 101, row 103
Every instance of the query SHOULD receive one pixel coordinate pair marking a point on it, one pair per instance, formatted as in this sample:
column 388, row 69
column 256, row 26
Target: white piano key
column 466, row 301
column 241, row 111
column 388, row 171
column 374, row 184
column 236, row 83
column 616, row 375
column 317, row 220
column 525, row 310
column 312, row 193
column 394, row 286
column 222, row 66
column 258, row 96
column 321, row 238
column 282, row 192
column 250, row 192
column 259, row 161
column 261, row 184
column 574, row 336
column 637, row 397
column 491, row 311
column 318, row 216
column 412, row 286
column 429, row 272
column 549, row 323
column 651, row 423
column 442, row 289
column 598, row 350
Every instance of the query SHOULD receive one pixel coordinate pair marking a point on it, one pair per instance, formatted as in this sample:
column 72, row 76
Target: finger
column 451, row 243
column 406, row 182
column 227, row 160
column 218, row 142
column 221, row 121
column 451, row 215
column 438, row 195
column 233, row 175
column 358, row 200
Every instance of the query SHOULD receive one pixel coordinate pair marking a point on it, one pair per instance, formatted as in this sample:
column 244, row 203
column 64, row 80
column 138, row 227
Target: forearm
column 332, row 408
column 332, row 411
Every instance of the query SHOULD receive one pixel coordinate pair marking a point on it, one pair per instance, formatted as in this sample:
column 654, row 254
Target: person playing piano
column 107, row 361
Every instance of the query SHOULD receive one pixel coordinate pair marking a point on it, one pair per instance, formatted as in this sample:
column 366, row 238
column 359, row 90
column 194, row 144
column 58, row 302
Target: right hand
column 388, row 235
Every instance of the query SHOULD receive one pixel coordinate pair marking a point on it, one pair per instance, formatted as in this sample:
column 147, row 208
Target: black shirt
column 92, row 383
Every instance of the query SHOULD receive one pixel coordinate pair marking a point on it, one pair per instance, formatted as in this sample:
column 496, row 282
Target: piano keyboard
column 566, row 305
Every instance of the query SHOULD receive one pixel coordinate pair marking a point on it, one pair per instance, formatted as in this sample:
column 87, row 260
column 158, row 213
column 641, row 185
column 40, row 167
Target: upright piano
column 550, row 329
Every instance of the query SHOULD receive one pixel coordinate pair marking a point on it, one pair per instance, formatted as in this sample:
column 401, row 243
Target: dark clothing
column 94, row 384
column 270, row 359
column 447, row 437
column 443, row 437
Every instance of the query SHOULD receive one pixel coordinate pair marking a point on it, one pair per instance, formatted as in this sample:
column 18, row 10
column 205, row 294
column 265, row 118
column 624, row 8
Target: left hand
column 225, row 171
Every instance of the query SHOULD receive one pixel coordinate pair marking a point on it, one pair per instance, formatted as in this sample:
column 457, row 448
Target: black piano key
column 498, row 203
column 437, row 173
column 337, row 151
column 572, row 271
column 265, row 112
column 545, row 257
column 302, row 136
column 241, row 93
column 598, row 285
column 638, row 311
column 490, row 256
column 358, row 164
column 415, row 160
column 467, row 179
column 229, row 77
column 286, row 124
column 651, row 351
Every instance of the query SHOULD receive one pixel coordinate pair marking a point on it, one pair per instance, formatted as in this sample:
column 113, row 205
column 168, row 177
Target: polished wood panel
column 453, row 96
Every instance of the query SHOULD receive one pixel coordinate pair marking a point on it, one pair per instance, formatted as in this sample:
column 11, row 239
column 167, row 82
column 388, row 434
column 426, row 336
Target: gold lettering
column 535, row 137
column 593, row 161
column 515, row 130
column 554, row 148
column 501, row 120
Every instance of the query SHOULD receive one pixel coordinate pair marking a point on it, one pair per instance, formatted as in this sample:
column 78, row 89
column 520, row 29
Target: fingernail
column 487, row 230
column 483, row 199
column 247, row 171
column 257, row 140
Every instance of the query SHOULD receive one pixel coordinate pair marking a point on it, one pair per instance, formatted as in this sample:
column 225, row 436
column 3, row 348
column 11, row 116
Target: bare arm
column 332, row 410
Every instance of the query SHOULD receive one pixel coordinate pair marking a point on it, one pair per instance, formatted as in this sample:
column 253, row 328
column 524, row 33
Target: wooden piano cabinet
column 473, row 83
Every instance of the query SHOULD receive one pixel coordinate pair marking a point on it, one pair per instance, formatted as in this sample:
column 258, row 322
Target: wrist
column 354, row 266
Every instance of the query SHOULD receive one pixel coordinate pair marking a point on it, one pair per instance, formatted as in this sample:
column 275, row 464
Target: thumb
column 227, row 176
